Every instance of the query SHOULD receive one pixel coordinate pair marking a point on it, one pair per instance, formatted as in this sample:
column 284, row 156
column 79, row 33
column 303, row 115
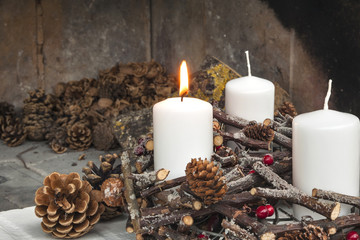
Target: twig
column 288, row 192
column 129, row 193
column 333, row 196
column 19, row 155
column 244, row 140
column 237, row 231
column 162, row 186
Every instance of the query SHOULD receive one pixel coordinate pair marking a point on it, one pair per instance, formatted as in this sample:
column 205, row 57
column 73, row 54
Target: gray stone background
column 43, row 42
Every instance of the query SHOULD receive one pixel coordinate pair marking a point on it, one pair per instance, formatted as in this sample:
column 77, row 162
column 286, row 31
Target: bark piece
column 129, row 193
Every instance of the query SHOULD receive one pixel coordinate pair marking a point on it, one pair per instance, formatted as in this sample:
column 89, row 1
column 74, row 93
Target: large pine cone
column 206, row 180
column 12, row 130
column 68, row 206
column 99, row 177
column 310, row 232
column 79, row 136
column 259, row 131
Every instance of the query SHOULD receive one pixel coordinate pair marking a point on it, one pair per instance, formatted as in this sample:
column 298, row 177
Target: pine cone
column 287, row 108
column 67, row 205
column 6, row 112
column 103, row 136
column 310, row 232
column 6, row 109
column 79, row 136
column 82, row 93
column 259, row 131
column 206, row 180
column 224, row 151
column 12, row 131
column 57, row 139
column 40, row 112
column 98, row 176
column 112, row 191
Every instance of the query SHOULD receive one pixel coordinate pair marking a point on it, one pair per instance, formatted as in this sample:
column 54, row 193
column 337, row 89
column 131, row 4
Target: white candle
column 250, row 97
column 182, row 130
column 326, row 154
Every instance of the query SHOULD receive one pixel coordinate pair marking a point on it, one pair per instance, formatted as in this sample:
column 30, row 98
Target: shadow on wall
column 330, row 31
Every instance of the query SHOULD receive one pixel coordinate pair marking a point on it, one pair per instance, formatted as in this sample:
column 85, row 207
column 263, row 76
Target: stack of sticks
column 167, row 209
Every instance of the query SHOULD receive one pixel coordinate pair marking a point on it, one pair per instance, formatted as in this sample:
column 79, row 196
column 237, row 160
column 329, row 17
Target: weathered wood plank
column 83, row 37
column 17, row 50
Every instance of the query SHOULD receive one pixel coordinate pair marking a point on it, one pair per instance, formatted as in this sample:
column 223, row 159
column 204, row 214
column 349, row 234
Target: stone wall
column 43, row 42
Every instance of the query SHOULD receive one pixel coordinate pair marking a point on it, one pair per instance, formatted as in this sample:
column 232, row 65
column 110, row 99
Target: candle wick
column 248, row 62
column 326, row 103
column 183, row 94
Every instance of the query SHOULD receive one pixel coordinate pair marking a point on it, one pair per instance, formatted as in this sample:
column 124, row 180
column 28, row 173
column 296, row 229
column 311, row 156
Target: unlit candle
column 326, row 154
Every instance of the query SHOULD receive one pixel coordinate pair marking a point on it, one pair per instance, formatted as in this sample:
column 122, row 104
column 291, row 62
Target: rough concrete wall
column 68, row 40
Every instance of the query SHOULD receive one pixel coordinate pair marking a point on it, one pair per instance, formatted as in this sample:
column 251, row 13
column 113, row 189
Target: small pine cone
column 57, row 139
column 206, row 180
column 224, row 151
column 259, row 131
column 309, row 232
column 287, row 108
column 6, row 109
column 79, row 136
column 96, row 176
column 12, row 131
column 68, row 206
column 103, row 136
column 112, row 189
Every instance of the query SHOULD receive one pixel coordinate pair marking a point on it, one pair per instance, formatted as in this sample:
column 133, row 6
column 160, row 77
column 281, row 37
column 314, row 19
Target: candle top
column 325, row 119
column 250, row 84
column 188, row 104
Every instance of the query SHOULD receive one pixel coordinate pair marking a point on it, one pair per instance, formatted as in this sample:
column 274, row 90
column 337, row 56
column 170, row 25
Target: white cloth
column 19, row 224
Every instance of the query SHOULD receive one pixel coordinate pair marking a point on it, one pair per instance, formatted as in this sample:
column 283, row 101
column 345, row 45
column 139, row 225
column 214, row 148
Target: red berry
column 251, row 171
column 217, row 148
column 352, row 235
column 268, row 159
column 202, row 236
column 139, row 150
column 262, row 212
column 270, row 209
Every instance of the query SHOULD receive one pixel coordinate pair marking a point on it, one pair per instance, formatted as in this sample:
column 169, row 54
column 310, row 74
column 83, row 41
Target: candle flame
column 184, row 80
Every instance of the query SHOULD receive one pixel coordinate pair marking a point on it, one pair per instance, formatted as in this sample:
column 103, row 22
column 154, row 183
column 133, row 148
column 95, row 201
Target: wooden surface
column 47, row 41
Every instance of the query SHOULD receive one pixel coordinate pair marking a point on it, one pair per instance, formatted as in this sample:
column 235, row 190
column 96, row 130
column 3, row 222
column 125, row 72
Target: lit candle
column 326, row 154
column 182, row 130
column 250, row 97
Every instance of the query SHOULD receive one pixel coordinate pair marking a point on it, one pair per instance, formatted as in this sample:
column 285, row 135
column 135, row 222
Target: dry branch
column 236, row 231
column 253, row 180
column 290, row 193
column 244, row 220
column 338, row 197
column 129, row 193
column 162, row 186
column 240, row 137
column 146, row 179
